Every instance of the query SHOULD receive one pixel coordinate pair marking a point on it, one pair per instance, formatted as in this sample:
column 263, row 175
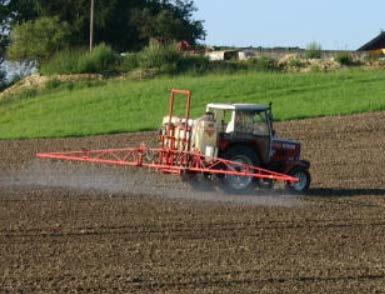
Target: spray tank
column 205, row 135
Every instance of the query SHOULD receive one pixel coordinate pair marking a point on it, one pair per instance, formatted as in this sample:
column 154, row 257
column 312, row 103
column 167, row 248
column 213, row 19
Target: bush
column 194, row 64
column 64, row 62
column 344, row 58
column 38, row 39
column 226, row 67
column 129, row 62
column 265, row 63
column 101, row 60
column 295, row 62
column 313, row 51
column 159, row 56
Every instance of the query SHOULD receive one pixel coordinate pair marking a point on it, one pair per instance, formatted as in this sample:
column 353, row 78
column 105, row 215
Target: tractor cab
column 245, row 134
column 242, row 118
column 246, row 124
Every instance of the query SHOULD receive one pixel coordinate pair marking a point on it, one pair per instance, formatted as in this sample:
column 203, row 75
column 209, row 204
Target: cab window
column 260, row 124
column 244, row 122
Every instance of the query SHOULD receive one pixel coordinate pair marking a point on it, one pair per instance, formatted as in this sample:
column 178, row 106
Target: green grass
column 128, row 106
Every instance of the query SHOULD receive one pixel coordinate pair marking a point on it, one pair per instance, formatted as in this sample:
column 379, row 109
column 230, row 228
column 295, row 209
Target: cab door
column 263, row 134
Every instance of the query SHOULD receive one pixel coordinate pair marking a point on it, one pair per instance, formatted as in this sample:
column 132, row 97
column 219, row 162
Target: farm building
column 246, row 54
column 231, row 55
column 222, row 55
column 375, row 47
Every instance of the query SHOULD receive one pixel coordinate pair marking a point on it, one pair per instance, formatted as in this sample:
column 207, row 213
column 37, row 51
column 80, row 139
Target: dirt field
column 79, row 228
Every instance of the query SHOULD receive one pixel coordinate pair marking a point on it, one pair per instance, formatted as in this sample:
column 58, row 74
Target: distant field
column 128, row 106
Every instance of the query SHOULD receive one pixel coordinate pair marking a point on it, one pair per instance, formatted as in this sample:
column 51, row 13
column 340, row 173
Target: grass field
column 126, row 106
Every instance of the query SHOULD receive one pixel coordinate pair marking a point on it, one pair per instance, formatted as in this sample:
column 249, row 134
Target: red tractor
column 244, row 133
column 232, row 145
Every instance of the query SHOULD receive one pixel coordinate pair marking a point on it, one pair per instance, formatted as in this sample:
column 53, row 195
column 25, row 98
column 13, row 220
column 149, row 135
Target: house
column 246, row 54
column 376, row 47
column 222, row 55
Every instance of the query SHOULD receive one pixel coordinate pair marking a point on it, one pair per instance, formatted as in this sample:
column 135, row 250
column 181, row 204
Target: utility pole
column 92, row 24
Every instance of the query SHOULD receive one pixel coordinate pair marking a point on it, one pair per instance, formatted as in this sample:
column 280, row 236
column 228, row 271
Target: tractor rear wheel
column 239, row 184
column 304, row 178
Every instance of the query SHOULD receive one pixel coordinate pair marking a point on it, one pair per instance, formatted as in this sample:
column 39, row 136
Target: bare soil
column 78, row 228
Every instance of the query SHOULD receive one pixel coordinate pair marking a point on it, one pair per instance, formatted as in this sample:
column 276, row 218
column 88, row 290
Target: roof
column 238, row 106
column 375, row 44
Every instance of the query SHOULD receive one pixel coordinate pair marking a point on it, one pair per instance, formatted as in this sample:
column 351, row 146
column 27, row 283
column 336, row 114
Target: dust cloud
column 132, row 182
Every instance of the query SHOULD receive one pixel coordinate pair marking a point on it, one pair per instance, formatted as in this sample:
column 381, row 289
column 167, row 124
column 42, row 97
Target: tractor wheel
column 239, row 184
column 304, row 180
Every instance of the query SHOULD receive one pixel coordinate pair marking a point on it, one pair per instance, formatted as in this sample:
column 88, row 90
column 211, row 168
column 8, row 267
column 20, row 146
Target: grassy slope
column 120, row 106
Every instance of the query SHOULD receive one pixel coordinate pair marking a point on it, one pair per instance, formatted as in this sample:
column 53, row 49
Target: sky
column 335, row 24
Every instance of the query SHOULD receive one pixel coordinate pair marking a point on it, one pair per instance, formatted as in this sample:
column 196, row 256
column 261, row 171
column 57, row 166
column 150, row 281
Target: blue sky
column 335, row 24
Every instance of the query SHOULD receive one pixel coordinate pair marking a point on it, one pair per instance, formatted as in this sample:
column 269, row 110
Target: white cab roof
column 237, row 106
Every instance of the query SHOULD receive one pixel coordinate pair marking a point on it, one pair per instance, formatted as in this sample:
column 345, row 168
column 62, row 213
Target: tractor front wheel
column 304, row 178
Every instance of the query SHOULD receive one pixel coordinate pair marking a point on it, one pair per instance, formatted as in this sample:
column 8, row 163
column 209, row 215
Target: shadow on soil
column 334, row 192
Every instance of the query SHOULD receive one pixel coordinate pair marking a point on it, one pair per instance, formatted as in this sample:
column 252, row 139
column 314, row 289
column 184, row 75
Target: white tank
column 206, row 136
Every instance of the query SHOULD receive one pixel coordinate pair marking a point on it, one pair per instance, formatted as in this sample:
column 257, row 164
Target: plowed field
column 66, row 227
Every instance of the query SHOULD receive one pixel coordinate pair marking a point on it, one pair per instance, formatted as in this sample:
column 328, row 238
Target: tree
column 38, row 39
column 4, row 41
column 163, row 25
column 168, row 22
column 115, row 20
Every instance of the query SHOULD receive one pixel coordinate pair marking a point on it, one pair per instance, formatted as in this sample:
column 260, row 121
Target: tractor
column 232, row 145
column 244, row 133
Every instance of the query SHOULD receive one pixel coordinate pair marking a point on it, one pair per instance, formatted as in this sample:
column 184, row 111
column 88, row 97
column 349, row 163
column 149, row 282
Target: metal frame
column 168, row 159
